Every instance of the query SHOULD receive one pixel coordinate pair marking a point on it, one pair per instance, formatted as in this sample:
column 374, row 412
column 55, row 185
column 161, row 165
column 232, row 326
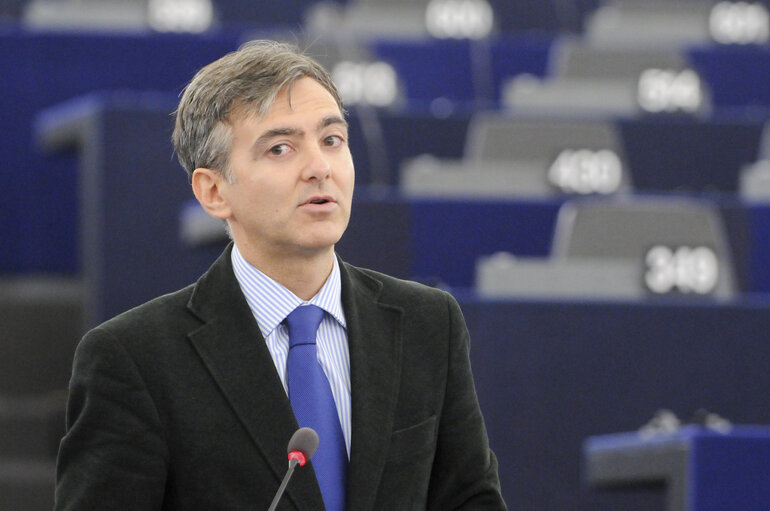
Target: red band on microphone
column 297, row 455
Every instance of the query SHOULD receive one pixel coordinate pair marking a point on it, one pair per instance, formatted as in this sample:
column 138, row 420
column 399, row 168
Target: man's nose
column 318, row 165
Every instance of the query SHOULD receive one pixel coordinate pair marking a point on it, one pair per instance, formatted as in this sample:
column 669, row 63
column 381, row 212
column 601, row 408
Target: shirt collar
column 271, row 302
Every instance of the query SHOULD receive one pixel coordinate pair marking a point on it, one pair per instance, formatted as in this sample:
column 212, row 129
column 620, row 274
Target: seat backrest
column 368, row 18
column 495, row 137
column 684, row 238
column 573, row 59
column 624, row 226
column 672, row 23
column 566, row 155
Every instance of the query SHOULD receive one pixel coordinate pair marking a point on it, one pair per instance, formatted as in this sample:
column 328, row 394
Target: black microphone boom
column 301, row 447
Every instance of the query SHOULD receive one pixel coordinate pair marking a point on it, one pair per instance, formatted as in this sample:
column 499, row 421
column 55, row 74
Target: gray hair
column 243, row 82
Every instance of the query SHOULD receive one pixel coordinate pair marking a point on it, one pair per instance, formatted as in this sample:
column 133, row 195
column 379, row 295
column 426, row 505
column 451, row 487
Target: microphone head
column 304, row 440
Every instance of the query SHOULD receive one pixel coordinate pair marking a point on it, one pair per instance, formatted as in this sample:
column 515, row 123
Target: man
column 188, row 402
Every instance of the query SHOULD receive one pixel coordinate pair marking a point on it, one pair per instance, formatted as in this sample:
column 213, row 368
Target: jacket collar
column 375, row 341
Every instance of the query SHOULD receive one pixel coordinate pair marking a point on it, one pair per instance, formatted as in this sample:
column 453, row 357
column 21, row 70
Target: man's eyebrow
column 270, row 134
column 332, row 119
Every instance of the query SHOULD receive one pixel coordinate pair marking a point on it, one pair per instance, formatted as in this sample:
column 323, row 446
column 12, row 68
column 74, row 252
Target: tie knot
column 303, row 324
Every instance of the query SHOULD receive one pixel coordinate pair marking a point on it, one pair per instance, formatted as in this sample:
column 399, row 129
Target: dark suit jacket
column 176, row 405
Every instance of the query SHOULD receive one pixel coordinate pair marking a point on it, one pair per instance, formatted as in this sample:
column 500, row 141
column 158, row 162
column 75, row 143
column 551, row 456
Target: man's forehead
column 304, row 91
column 311, row 93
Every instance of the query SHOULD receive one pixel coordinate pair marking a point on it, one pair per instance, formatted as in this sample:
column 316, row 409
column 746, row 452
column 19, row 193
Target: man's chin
column 320, row 244
column 323, row 237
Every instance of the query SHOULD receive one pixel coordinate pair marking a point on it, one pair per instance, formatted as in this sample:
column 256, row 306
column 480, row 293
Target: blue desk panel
column 448, row 236
column 703, row 469
column 737, row 75
column 688, row 155
column 758, row 280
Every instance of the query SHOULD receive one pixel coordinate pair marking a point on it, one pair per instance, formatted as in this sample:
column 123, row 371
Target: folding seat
column 629, row 60
column 363, row 19
column 101, row 14
column 162, row 15
column 427, row 44
column 667, row 23
column 622, row 248
column 512, row 156
column 609, row 81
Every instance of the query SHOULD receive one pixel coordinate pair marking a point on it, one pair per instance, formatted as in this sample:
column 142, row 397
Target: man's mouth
column 319, row 200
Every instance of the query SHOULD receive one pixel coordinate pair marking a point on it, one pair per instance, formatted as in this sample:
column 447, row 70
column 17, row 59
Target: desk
column 702, row 469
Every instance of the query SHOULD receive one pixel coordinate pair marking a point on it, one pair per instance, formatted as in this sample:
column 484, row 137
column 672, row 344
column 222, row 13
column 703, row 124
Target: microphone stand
column 292, row 464
column 302, row 446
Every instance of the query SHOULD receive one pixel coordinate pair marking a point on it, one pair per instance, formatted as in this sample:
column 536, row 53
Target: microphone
column 301, row 447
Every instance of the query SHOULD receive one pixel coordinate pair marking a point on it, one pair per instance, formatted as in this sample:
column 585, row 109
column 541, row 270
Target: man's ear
column 207, row 185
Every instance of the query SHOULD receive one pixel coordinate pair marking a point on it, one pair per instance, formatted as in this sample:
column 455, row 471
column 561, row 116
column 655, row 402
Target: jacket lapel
column 375, row 340
column 234, row 352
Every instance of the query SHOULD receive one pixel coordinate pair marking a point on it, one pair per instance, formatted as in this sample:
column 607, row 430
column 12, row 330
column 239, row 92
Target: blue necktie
column 313, row 404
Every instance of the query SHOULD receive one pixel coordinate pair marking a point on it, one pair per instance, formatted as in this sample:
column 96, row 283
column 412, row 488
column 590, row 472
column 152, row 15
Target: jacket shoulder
column 399, row 292
column 158, row 317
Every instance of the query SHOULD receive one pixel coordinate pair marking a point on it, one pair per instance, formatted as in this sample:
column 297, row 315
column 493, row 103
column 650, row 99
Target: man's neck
column 302, row 274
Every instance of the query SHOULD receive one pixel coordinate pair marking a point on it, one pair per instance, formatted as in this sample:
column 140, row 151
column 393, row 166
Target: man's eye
column 279, row 150
column 333, row 140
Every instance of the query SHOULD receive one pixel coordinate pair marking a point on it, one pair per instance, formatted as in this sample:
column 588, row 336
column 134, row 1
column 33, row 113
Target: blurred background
column 590, row 178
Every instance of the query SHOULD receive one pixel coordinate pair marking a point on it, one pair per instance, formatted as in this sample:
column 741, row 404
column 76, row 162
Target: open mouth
column 320, row 200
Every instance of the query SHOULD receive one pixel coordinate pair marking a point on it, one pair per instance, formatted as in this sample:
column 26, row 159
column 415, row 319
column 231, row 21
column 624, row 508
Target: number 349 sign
column 681, row 269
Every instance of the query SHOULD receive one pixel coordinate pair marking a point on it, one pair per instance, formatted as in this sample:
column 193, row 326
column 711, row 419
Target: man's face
column 292, row 175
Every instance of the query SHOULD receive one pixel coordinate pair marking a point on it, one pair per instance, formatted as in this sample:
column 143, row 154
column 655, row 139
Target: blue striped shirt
column 271, row 302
